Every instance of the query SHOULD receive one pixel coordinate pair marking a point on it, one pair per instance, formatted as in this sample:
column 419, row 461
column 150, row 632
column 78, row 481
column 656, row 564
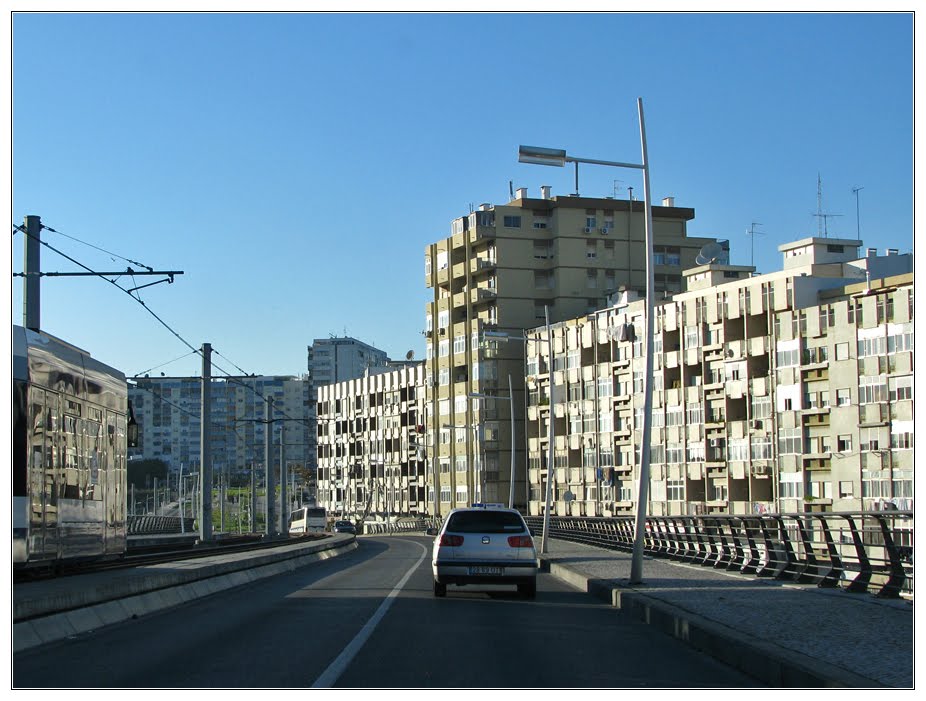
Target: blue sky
column 296, row 166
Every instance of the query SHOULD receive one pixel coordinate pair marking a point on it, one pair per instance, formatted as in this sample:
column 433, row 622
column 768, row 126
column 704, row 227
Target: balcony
column 481, row 233
column 482, row 295
column 478, row 265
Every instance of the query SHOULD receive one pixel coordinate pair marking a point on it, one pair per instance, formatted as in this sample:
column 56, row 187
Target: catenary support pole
column 32, row 250
column 205, row 448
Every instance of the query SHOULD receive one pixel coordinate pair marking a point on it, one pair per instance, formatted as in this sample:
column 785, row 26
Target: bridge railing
column 152, row 525
column 404, row 526
column 853, row 550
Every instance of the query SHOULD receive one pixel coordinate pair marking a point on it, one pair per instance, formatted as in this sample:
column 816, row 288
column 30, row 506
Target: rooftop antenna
column 410, row 355
column 822, row 229
column 752, row 242
column 511, row 189
column 858, row 232
column 616, row 188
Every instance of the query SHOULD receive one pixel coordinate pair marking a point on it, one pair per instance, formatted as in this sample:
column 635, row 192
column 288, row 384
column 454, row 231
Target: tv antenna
column 709, row 253
column 822, row 229
column 858, row 233
column 752, row 241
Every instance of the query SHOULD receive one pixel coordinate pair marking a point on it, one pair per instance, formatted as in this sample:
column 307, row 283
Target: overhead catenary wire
column 193, row 349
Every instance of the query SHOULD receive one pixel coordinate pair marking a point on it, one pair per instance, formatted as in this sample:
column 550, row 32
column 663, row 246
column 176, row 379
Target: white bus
column 308, row 519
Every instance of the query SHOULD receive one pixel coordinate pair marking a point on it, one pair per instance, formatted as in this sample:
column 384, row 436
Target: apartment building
column 500, row 271
column 331, row 360
column 785, row 392
column 371, row 462
column 168, row 411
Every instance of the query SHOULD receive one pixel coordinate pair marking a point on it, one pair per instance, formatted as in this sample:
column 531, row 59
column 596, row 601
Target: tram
column 70, row 422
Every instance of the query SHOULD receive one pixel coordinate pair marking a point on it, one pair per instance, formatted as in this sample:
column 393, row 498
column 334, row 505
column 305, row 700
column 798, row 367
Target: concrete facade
column 497, row 273
column 786, row 392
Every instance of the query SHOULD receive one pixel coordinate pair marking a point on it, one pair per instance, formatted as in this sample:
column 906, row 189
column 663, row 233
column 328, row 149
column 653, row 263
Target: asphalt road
column 368, row 619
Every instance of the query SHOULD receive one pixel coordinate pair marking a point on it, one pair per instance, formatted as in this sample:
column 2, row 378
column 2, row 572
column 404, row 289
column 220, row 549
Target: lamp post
column 559, row 158
column 510, row 400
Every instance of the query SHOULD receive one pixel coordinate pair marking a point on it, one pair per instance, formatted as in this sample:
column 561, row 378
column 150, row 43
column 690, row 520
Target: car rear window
column 485, row 522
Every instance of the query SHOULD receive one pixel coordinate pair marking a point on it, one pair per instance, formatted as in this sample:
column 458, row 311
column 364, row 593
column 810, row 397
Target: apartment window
column 675, row 490
column 846, row 489
column 696, row 452
column 695, row 413
column 692, row 337
column 675, row 453
column 844, row 443
column 591, row 279
column 543, row 250
column 591, row 249
column 761, row 447
column 590, row 222
column 459, row 404
column 843, row 397
column 605, row 421
column 543, row 279
column 609, row 250
column 445, row 493
column 872, row 389
column 443, row 376
column 512, row 222
column 738, row 449
column 461, row 494
column 459, row 343
column 427, row 265
column 869, row 439
column 790, row 441
column 871, row 346
column 902, row 484
column 444, row 407
column 761, row 407
column 605, row 385
column 443, row 349
column 900, row 338
column 902, row 436
column 791, row 486
column 876, row 484
column 675, row 416
column 900, row 388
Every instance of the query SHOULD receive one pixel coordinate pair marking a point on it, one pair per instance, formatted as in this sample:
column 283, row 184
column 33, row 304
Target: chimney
column 892, row 251
column 668, row 201
column 485, row 207
column 545, row 192
column 521, row 193
column 872, row 252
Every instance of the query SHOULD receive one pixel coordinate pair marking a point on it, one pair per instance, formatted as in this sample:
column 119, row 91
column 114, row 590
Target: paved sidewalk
column 782, row 633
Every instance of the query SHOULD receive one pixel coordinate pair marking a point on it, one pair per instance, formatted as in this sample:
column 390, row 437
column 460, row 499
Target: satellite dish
column 709, row 253
column 410, row 355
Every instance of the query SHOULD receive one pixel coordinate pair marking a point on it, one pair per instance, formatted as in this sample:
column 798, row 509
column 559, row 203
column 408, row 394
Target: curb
column 66, row 624
column 770, row 664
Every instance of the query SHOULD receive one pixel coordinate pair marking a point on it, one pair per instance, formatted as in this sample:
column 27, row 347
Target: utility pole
column 858, row 231
column 284, row 510
column 268, row 469
column 205, row 448
column 32, row 280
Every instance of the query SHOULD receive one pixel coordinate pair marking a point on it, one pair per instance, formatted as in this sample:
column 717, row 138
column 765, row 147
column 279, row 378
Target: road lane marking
column 331, row 675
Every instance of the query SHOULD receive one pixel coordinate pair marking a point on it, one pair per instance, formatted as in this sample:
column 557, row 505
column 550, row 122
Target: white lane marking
column 331, row 675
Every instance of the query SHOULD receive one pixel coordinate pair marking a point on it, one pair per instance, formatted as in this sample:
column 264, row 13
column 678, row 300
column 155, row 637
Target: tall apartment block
column 168, row 411
column 785, row 392
column 331, row 360
column 370, row 459
column 499, row 271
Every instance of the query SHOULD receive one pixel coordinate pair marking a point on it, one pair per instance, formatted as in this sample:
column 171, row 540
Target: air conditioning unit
column 605, row 230
column 757, row 424
column 588, row 229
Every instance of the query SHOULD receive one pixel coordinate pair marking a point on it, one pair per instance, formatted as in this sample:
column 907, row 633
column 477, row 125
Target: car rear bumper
column 462, row 571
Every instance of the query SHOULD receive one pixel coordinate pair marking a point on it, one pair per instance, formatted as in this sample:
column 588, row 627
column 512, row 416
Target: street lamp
column 510, row 400
column 558, row 157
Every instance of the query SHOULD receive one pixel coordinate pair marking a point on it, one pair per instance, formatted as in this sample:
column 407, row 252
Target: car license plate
column 485, row 571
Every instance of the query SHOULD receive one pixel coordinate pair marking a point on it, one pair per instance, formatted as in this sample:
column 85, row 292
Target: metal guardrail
column 152, row 525
column 377, row 528
column 852, row 550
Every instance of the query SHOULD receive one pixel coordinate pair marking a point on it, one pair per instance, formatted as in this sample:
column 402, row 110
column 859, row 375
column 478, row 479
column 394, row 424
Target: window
column 459, row 344
column 791, row 486
column 675, row 453
column 696, row 452
column 869, row 439
column 872, row 389
column 591, row 250
column 844, row 443
column 761, row 447
column 900, row 388
column 843, row 397
column 675, row 416
column 675, row 490
column 876, row 484
column 738, row 449
column 902, row 435
column 761, row 407
column 512, row 222
column 842, row 351
column 591, row 279
column 460, row 463
column 695, row 413
column 789, row 441
column 692, row 337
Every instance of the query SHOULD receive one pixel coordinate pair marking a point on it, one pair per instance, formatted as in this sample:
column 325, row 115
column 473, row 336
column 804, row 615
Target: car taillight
column 451, row 541
column 520, row 541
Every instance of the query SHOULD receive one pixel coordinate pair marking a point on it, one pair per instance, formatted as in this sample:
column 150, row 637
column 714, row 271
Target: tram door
column 42, row 471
